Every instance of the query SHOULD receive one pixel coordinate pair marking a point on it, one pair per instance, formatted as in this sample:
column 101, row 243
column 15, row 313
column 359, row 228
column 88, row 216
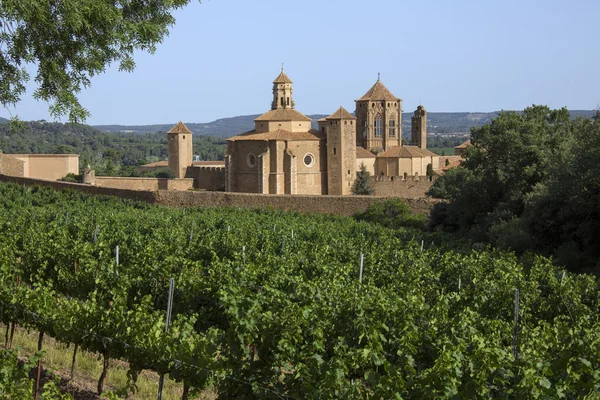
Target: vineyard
column 277, row 305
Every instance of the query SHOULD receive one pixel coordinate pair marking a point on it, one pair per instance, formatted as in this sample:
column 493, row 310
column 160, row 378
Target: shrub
column 392, row 213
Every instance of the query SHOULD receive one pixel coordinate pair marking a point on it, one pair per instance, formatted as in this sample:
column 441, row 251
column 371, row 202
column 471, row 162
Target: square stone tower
column 180, row 149
column 419, row 128
column 379, row 119
column 340, row 128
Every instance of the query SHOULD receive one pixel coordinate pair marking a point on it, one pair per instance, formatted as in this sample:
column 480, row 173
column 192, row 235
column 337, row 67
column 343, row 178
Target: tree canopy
column 70, row 41
column 530, row 180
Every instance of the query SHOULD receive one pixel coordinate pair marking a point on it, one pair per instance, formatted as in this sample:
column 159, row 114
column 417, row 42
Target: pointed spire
column 180, row 128
column 378, row 76
column 341, row 113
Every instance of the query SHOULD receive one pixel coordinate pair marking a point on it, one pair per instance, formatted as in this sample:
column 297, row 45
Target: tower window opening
column 378, row 126
column 334, row 151
column 348, row 172
column 184, row 136
column 281, row 100
column 288, row 101
column 392, row 127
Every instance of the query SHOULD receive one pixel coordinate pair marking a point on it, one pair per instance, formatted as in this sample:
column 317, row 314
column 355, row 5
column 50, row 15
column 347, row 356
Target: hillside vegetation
column 108, row 153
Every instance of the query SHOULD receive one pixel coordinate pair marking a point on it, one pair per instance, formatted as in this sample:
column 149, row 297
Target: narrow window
column 288, row 101
column 378, row 126
column 334, row 151
column 281, row 100
column 392, row 127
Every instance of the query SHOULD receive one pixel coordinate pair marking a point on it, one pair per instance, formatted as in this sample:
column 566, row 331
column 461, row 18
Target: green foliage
column 107, row 153
column 362, row 184
column 15, row 382
column 72, row 41
column 71, row 178
column 393, row 214
column 562, row 212
column 429, row 171
column 163, row 173
column 530, row 181
column 261, row 311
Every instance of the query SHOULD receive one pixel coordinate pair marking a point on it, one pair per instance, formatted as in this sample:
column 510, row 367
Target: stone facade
column 40, row 166
column 180, row 149
column 283, row 155
column 379, row 119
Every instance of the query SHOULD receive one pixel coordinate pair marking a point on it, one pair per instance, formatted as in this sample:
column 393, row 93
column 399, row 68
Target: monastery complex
column 284, row 155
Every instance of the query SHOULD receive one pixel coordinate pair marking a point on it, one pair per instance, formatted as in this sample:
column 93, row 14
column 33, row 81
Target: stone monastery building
column 284, row 155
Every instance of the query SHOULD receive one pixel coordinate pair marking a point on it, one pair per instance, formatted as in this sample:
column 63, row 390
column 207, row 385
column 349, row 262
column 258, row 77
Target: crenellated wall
column 207, row 178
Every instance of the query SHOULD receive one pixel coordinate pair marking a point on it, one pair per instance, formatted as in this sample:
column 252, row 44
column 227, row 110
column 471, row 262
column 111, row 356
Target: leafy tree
column 429, row 171
column 508, row 157
column 362, row 184
column 562, row 213
column 71, row 41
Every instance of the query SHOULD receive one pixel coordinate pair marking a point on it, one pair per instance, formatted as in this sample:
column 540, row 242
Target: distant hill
column 3, row 120
column 437, row 122
column 224, row 127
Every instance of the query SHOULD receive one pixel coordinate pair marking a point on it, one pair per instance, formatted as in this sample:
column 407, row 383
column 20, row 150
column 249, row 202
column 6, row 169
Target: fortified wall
column 340, row 205
column 207, row 177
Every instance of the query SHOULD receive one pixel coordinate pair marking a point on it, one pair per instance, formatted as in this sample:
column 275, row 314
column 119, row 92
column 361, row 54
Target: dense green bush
column 392, row 213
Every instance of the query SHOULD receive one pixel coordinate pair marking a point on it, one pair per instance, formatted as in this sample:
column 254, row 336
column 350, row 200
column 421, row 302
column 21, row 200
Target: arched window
column 378, row 126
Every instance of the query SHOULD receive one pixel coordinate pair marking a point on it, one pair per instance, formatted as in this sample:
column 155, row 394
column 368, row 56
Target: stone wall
column 11, row 166
column 396, row 186
column 207, row 178
column 151, row 184
column 452, row 160
column 340, row 205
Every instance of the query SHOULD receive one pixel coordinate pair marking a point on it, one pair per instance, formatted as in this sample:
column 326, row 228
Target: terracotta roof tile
column 180, row 128
column 451, row 164
column 341, row 113
column 406, row 152
column 283, row 114
column 279, row 134
column 361, row 152
column 378, row 92
column 464, row 145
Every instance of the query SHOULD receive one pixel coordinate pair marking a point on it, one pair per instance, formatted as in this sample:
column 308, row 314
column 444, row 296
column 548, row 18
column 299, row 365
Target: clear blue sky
column 222, row 55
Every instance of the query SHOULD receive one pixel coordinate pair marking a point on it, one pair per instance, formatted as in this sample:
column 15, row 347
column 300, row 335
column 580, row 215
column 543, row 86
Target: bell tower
column 282, row 92
column 419, row 128
column 379, row 119
column 180, row 149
